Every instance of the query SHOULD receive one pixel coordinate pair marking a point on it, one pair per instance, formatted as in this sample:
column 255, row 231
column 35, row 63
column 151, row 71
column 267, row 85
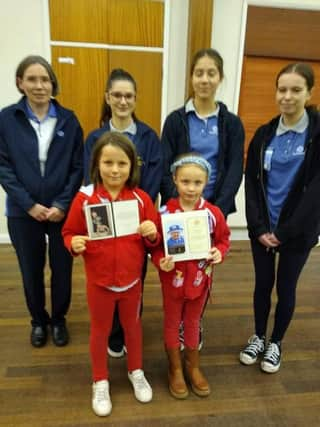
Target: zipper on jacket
column 262, row 183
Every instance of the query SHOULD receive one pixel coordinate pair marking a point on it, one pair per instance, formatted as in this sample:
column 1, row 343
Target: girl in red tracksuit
column 113, row 265
column 186, row 284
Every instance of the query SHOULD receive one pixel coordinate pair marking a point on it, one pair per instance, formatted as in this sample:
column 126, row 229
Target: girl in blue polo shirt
column 282, row 207
column 205, row 126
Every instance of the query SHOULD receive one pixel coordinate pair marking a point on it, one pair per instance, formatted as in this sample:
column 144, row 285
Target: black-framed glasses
column 119, row 95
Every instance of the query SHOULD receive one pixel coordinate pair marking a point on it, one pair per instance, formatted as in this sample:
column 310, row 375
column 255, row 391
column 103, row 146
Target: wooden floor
column 51, row 386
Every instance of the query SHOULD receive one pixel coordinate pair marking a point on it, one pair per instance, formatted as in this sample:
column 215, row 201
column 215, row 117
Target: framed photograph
column 112, row 219
column 186, row 235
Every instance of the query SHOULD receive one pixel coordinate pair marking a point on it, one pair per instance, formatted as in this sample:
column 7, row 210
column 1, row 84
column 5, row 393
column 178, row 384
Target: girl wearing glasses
column 119, row 102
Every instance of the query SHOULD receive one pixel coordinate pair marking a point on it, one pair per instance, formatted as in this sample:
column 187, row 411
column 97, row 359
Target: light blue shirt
column 130, row 131
column 282, row 160
column 45, row 130
column 204, row 139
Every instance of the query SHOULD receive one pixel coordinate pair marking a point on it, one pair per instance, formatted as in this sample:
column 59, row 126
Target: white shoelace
column 272, row 353
column 101, row 392
column 255, row 345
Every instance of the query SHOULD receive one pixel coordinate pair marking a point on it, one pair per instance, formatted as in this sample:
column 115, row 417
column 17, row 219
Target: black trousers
column 116, row 338
column 282, row 269
column 28, row 237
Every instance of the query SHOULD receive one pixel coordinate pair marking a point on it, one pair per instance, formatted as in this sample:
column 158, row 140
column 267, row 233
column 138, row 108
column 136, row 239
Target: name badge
column 267, row 159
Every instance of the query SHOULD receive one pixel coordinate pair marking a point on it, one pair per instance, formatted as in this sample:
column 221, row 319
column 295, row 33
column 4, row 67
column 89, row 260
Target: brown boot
column 198, row 381
column 177, row 385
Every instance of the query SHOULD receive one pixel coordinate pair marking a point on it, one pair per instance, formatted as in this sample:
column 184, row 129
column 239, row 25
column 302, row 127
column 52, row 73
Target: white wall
column 27, row 23
column 23, row 31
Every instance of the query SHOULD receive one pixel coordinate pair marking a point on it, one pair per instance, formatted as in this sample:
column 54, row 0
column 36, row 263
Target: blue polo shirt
column 204, row 139
column 282, row 160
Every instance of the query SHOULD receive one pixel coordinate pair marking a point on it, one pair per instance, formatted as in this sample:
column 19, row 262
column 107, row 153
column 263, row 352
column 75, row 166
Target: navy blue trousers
column 28, row 237
column 283, row 272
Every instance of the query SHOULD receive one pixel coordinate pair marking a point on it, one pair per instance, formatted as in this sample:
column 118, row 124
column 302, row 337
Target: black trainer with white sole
column 255, row 347
column 272, row 358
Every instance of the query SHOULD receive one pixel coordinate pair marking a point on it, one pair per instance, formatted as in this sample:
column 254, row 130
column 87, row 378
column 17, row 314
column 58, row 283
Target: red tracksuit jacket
column 114, row 261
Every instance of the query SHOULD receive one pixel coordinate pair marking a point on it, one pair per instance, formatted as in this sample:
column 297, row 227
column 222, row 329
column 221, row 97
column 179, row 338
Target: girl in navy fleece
column 204, row 125
column 282, row 207
column 119, row 102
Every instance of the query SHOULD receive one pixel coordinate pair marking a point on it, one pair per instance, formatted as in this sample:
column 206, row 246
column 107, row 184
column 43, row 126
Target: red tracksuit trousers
column 188, row 311
column 102, row 303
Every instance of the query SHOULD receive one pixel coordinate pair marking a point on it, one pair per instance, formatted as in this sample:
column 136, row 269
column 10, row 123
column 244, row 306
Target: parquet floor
column 50, row 387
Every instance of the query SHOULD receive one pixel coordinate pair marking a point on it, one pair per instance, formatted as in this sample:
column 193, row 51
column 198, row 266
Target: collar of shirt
column 52, row 112
column 132, row 128
column 191, row 108
column 299, row 127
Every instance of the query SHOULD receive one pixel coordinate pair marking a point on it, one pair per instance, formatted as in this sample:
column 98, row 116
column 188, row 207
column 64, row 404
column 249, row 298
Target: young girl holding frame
column 114, row 173
column 186, row 284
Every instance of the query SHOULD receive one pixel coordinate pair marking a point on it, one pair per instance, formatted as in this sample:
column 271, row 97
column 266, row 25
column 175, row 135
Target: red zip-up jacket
column 115, row 261
column 188, row 278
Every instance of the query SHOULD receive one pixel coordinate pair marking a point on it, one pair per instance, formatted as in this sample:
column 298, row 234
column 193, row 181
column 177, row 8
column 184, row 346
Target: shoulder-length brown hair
column 36, row 59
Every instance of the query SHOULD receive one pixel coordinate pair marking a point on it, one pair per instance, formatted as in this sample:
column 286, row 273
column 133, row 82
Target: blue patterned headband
column 189, row 160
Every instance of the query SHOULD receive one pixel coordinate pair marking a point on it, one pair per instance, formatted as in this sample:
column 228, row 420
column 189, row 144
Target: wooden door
column 90, row 38
column 269, row 46
column 146, row 67
column 82, row 78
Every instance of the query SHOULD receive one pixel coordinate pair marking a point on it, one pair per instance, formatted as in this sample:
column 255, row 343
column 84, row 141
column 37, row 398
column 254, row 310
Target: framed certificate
column 186, row 235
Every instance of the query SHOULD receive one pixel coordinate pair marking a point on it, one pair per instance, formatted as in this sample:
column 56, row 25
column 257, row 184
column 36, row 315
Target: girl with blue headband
column 186, row 284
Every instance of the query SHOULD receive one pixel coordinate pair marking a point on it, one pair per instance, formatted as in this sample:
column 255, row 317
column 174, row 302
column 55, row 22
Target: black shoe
column 38, row 336
column 60, row 335
column 254, row 348
column 272, row 358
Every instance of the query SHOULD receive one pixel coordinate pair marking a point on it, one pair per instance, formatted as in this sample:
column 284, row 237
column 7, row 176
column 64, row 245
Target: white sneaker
column 101, row 403
column 141, row 387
